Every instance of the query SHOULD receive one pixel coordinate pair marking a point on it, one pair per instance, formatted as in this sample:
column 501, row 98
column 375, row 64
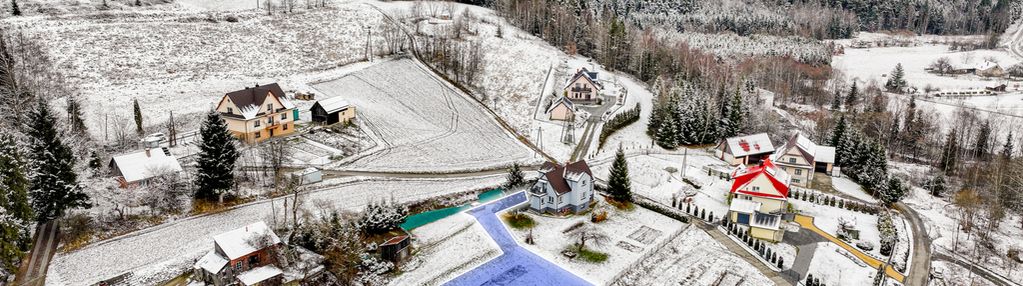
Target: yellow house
column 801, row 158
column 758, row 198
column 562, row 109
column 258, row 113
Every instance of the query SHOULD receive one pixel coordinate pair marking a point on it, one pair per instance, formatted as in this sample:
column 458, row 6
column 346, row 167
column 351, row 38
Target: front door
column 742, row 218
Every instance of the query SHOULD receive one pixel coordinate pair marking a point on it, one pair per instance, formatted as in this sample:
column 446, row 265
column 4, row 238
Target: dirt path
column 33, row 271
column 920, row 270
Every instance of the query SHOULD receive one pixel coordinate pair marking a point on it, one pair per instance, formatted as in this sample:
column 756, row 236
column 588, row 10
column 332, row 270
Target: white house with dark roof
column 138, row 167
column 258, row 113
column 562, row 188
column 583, row 86
column 746, row 149
column 801, row 158
column 246, row 256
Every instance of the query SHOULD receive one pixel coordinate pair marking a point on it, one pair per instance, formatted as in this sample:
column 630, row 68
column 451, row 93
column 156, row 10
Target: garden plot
column 181, row 62
column 693, row 258
column 162, row 252
column 424, row 124
column 445, row 249
column 836, row 266
column 620, row 226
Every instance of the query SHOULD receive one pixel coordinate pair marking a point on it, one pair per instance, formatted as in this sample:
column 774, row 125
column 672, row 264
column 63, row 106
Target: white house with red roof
column 747, row 149
column 758, row 198
column 562, row 188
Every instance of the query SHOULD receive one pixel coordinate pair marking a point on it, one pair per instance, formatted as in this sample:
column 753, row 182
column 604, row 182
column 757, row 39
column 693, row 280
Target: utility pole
column 369, row 32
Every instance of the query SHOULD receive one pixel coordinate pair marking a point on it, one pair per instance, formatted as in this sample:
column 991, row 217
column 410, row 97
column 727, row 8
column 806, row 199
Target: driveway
column 806, row 245
column 516, row 266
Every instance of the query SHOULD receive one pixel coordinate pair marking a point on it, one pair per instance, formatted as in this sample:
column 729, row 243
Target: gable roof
column 258, row 274
column 779, row 179
column 333, row 104
column 810, row 151
column 561, row 100
column 211, row 262
column 558, row 175
column 251, row 99
column 238, row 242
column 584, row 74
column 740, row 146
column 140, row 166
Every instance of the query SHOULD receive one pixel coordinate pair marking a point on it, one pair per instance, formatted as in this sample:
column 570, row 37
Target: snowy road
column 517, row 266
column 162, row 252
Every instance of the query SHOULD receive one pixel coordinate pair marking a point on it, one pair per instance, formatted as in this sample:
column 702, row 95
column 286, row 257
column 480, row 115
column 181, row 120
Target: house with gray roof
column 562, row 189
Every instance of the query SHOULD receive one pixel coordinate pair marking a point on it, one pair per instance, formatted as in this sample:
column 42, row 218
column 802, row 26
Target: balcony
column 582, row 89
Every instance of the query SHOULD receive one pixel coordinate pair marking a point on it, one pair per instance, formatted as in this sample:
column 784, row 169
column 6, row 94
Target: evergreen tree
column 894, row 191
column 838, row 137
column 515, row 176
column 897, row 81
column 836, row 104
column 217, row 156
column 983, row 145
column 74, row 114
column 15, row 211
column 1007, row 148
column 138, row 2
column 138, row 118
column 618, row 183
column 950, row 153
column 14, row 8
column 853, row 96
column 55, row 186
column 733, row 122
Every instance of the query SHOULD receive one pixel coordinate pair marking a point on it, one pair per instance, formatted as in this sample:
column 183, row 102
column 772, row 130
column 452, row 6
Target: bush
column 592, row 256
column 232, row 19
column 599, row 217
column 519, row 220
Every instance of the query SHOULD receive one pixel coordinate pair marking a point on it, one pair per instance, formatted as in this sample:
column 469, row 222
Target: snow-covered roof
column 334, row 104
column 825, row 154
column 986, row 65
column 211, row 262
column 259, row 274
column 250, row 100
column 238, row 242
column 558, row 175
column 744, row 206
column 143, row 165
column 561, row 100
column 759, row 143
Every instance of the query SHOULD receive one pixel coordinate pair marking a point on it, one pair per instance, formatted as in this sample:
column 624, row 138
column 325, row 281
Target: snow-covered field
column 162, row 252
column 445, row 249
column 851, row 271
column 180, row 61
column 631, row 234
column 694, row 258
column 876, row 63
column 424, row 124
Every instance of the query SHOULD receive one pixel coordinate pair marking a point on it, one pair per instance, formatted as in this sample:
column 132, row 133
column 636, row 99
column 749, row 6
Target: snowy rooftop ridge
column 334, row 104
column 211, row 262
column 259, row 274
column 145, row 164
column 750, row 144
column 239, row 242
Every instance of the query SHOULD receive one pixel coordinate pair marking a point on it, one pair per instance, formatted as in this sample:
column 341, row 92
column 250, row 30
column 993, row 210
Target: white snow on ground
column 846, row 186
column 171, row 248
column 641, row 230
column 836, row 266
column 445, row 249
column 951, row 274
column 425, row 124
column 941, row 219
column 874, row 63
column 220, row 5
column 693, row 258
column 181, row 62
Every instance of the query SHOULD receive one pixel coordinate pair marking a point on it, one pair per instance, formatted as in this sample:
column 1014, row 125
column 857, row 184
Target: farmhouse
column 989, row 69
column 748, row 149
column 246, row 255
column 136, row 168
column 562, row 189
column 258, row 113
column 583, row 87
column 800, row 157
column 758, row 198
column 562, row 109
column 332, row 110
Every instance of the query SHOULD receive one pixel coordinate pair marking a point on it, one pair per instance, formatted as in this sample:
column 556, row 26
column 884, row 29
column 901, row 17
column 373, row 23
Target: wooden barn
column 332, row 110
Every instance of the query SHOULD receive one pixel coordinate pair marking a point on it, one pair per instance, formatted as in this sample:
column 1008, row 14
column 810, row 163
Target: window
column 259, row 134
column 792, row 160
column 253, row 260
column 284, row 116
column 756, row 189
column 560, row 199
column 799, row 172
column 255, row 124
column 285, row 126
column 238, row 266
column 550, row 200
column 230, row 110
column 269, row 106
column 796, row 181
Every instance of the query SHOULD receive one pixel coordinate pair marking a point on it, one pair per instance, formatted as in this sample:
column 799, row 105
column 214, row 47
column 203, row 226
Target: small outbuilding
column 308, row 176
column 332, row 110
column 562, row 109
column 396, row 249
